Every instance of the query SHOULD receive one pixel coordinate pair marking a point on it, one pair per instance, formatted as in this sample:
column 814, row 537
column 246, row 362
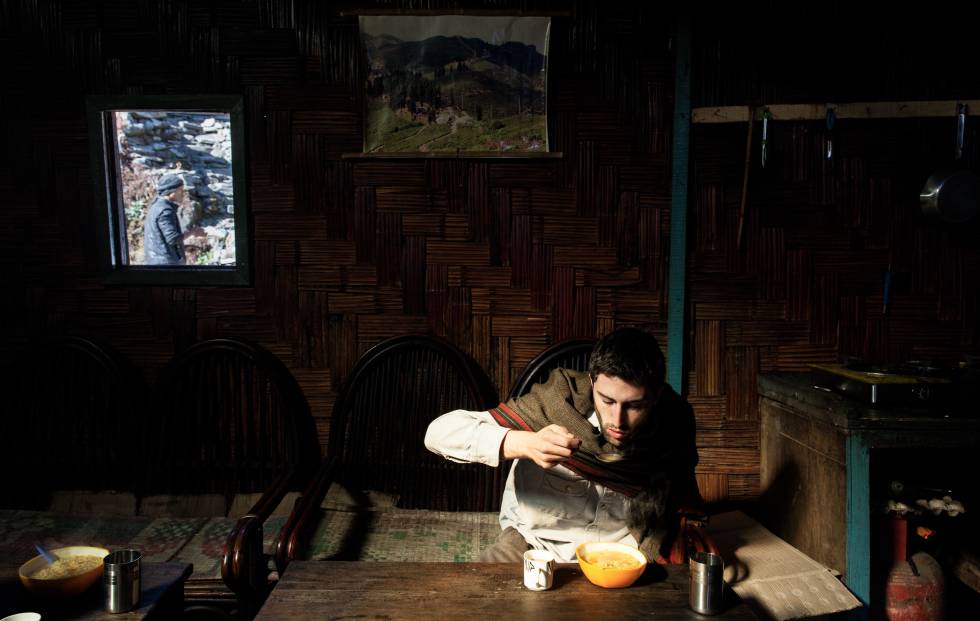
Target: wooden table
column 162, row 597
column 472, row 591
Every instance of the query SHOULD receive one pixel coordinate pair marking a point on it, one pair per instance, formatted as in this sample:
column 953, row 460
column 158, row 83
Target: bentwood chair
column 377, row 435
column 73, row 420
column 229, row 419
column 570, row 354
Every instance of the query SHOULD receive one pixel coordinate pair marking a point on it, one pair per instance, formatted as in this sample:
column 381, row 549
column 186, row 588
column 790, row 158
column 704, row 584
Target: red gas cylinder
column 914, row 590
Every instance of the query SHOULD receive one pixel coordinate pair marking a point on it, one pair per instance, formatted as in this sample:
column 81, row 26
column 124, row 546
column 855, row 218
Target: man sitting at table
column 606, row 455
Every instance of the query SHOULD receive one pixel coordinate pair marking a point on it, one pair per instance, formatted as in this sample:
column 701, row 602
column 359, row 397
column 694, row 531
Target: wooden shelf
column 818, row 112
column 458, row 155
column 457, row 11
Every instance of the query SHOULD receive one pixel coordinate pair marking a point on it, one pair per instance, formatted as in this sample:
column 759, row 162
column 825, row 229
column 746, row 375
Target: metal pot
column 950, row 195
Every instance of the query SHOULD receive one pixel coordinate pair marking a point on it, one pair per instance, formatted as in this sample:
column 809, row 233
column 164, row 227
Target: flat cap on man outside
column 168, row 183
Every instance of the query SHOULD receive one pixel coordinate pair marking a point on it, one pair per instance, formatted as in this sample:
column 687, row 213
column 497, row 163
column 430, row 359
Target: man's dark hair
column 631, row 354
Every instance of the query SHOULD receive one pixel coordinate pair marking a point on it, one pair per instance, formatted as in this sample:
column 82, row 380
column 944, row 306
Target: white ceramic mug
column 539, row 569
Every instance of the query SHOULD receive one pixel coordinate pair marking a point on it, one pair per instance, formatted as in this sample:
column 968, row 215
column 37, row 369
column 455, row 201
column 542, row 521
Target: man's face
column 622, row 408
column 177, row 195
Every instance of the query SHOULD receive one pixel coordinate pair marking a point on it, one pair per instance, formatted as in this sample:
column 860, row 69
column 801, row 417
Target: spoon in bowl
column 48, row 556
column 610, row 457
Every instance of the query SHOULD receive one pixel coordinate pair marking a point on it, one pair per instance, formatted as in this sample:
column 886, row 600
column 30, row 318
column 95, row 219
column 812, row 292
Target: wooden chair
column 570, row 354
column 377, row 431
column 230, row 419
column 73, row 421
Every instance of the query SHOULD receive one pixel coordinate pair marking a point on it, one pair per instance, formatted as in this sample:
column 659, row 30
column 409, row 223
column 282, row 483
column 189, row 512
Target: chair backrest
column 228, row 418
column 570, row 354
column 381, row 414
column 73, row 421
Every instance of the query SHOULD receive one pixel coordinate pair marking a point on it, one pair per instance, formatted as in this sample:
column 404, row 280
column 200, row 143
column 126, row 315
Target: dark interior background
column 506, row 257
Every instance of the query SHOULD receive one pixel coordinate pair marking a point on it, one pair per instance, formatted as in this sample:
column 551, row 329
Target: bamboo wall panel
column 806, row 284
column 503, row 256
column 713, row 487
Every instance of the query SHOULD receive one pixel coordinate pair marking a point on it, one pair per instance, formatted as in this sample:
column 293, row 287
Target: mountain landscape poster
column 451, row 83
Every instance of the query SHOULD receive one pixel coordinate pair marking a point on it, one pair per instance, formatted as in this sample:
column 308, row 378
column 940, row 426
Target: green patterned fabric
column 206, row 547
column 192, row 540
column 392, row 535
column 403, row 535
column 159, row 539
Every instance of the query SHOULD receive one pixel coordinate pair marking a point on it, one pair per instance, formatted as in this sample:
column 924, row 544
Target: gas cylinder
column 915, row 588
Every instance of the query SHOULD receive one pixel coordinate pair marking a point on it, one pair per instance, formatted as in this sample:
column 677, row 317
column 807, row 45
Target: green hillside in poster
column 449, row 93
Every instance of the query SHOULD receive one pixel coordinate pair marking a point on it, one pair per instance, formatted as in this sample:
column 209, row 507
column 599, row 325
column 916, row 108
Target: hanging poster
column 451, row 83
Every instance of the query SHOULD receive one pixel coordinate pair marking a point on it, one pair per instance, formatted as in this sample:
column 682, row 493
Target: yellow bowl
column 602, row 568
column 68, row 586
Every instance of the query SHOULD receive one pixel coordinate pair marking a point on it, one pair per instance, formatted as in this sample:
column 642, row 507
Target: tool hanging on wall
column 953, row 195
column 831, row 118
column 745, row 184
column 886, row 290
column 766, row 115
column 961, row 110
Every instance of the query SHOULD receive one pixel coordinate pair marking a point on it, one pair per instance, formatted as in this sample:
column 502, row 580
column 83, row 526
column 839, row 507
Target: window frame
column 110, row 211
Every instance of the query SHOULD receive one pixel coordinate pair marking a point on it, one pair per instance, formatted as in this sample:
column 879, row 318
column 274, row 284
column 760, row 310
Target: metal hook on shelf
column 831, row 119
column 766, row 115
column 961, row 110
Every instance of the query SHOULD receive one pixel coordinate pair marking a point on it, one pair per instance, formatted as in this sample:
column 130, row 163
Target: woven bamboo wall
column 501, row 257
column 806, row 285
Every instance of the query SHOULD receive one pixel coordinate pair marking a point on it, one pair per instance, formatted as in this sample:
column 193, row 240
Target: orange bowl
column 610, row 565
column 70, row 585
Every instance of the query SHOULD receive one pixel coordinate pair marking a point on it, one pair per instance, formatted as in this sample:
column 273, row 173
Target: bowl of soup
column 77, row 568
column 610, row 565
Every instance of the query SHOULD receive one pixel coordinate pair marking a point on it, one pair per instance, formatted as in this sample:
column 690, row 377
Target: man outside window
column 162, row 240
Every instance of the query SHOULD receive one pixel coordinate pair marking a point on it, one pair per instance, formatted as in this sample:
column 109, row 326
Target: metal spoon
column 48, row 556
column 610, row 458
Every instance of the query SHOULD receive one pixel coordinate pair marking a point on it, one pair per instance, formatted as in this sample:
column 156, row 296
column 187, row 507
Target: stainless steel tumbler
column 707, row 585
column 121, row 579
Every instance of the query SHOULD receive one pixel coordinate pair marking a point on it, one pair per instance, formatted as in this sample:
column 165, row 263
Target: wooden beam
column 457, row 11
column 856, row 110
column 454, row 155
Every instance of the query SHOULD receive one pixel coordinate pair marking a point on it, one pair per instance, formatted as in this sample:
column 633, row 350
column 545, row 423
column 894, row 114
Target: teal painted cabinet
column 818, row 452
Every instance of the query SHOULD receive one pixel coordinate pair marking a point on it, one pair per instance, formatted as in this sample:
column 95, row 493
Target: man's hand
column 547, row 448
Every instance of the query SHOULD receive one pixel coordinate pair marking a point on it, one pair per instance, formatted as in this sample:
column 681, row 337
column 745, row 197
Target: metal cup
column 121, row 579
column 707, row 586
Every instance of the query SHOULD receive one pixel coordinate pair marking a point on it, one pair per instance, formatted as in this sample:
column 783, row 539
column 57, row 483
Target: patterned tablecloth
column 160, row 539
column 403, row 535
column 374, row 535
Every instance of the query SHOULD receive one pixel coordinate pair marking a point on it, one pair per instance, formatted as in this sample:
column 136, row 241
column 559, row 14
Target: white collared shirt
column 554, row 509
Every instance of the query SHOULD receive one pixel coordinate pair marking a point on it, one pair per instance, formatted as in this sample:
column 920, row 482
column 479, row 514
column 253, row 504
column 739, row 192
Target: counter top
column 802, row 391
